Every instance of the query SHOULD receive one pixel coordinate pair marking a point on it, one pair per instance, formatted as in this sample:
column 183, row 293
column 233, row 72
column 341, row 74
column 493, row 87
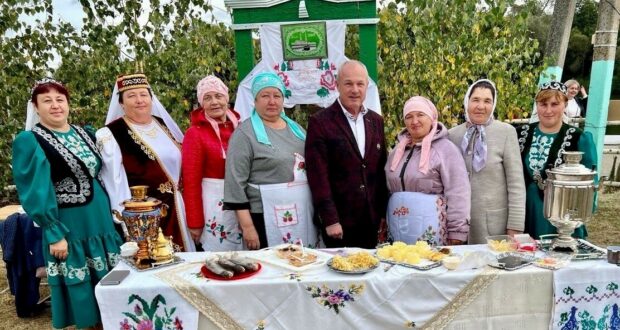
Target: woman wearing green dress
column 542, row 144
column 55, row 169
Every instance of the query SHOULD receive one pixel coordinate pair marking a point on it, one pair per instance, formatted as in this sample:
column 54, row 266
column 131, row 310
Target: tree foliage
column 437, row 48
column 173, row 43
column 578, row 61
column 25, row 55
column 432, row 48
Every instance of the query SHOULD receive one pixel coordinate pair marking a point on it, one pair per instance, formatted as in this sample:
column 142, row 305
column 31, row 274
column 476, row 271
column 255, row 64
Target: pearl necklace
column 149, row 130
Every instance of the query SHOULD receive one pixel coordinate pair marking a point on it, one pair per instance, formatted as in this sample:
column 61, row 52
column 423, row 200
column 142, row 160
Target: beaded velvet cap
column 127, row 82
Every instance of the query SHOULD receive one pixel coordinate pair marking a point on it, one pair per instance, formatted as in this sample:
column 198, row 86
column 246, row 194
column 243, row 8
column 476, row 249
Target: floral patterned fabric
column 414, row 216
column 150, row 316
column 586, row 300
column 288, row 209
column 79, row 148
column 335, row 299
column 143, row 302
column 221, row 229
column 398, row 298
column 539, row 151
column 306, row 81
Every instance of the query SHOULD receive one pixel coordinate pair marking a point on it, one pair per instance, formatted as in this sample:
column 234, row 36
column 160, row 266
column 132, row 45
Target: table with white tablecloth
column 396, row 297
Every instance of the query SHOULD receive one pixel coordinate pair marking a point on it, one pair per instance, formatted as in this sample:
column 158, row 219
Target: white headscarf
column 32, row 117
column 468, row 95
column 477, row 131
column 115, row 111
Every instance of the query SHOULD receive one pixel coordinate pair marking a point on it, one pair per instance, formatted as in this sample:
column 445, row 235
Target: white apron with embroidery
column 221, row 231
column 288, row 210
column 415, row 216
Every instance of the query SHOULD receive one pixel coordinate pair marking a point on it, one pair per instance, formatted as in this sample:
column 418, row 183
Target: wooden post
column 605, row 39
column 368, row 48
column 244, row 54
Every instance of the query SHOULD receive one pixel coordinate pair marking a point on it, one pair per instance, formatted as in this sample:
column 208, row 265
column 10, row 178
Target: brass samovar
column 141, row 216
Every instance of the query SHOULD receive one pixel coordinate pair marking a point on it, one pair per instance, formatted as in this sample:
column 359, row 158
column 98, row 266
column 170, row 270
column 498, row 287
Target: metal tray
column 352, row 272
column 512, row 261
column 586, row 250
column 425, row 265
column 129, row 261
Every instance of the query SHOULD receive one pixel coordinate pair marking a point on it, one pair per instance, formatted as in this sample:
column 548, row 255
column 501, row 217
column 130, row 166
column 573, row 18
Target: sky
column 71, row 11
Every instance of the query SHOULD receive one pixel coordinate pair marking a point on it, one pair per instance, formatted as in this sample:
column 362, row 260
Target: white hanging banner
column 307, row 81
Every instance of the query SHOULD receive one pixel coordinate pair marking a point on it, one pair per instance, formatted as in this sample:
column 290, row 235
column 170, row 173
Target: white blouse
column 572, row 109
column 114, row 176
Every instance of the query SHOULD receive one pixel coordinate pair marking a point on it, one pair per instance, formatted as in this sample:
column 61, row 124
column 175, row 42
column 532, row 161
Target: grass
column 604, row 230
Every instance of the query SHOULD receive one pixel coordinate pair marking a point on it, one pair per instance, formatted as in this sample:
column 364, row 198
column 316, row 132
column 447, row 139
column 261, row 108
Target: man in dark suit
column 345, row 156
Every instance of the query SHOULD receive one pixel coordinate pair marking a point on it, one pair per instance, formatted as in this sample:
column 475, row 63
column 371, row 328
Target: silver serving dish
column 423, row 266
column 352, row 272
column 132, row 263
column 585, row 250
column 512, row 261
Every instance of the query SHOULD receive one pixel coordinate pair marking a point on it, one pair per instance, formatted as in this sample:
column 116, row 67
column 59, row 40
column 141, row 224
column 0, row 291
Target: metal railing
column 570, row 121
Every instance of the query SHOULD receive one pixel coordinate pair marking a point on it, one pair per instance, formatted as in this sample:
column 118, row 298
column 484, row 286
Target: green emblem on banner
column 304, row 41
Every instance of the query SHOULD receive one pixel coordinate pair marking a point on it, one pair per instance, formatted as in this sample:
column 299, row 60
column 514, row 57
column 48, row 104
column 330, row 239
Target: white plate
column 561, row 260
column 549, row 266
column 269, row 256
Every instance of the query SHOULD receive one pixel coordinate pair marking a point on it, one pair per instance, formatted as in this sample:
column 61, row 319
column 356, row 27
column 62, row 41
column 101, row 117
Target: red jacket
column 202, row 158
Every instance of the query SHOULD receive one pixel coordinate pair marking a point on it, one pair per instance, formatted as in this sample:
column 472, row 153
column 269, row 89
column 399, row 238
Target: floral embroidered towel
column 586, row 299
column 307, row 81
column 147, row 303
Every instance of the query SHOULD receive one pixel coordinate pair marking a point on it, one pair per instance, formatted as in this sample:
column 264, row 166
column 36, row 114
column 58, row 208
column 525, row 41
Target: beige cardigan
column 498, row 190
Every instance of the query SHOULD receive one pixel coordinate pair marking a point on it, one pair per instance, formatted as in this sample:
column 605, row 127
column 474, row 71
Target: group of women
column 489, row 180
column 70, row 179
column 244, row 183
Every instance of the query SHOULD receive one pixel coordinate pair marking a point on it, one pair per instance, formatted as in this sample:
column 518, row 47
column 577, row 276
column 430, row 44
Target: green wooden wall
column 317, row 10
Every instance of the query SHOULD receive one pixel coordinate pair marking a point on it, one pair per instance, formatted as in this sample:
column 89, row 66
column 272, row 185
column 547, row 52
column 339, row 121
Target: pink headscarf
column 424, row 105
column 214, row 84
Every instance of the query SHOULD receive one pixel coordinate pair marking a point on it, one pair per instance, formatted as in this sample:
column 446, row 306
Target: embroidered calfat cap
column 127, row 82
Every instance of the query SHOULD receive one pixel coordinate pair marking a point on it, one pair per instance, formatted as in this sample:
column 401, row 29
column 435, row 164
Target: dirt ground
column 603, row 230
column 9, row 319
